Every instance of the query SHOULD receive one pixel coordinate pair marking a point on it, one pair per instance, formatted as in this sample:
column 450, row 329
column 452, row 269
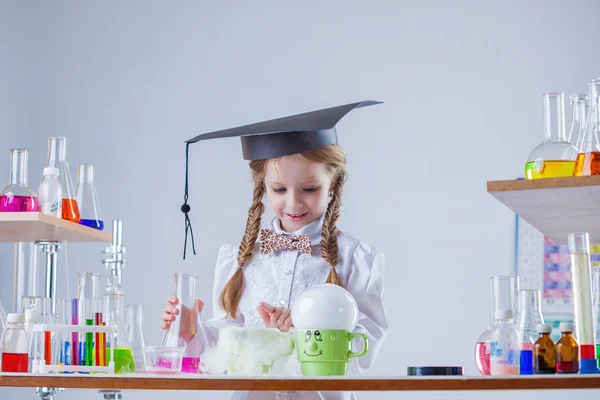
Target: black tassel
column 185, row 208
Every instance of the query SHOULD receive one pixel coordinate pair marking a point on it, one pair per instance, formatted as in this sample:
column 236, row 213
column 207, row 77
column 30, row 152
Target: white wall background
column 129, row 82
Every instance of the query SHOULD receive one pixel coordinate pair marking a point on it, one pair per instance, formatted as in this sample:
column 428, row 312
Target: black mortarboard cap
column 276, row 138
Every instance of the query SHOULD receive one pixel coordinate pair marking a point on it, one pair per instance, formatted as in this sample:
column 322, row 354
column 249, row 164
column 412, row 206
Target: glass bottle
column 187, row 330
column 567, row 350
column 57, row 158
column 50, row 193
column 504, row 345
column 580, row 106
column 579, row 249
column 503, row 295
column 135, row 334
column 530, row 315
column 588, row 159
column 544, row 353
column 14, row 345
column 114, row 316
column 87, row 199
column 555, row 156
column 17, row 196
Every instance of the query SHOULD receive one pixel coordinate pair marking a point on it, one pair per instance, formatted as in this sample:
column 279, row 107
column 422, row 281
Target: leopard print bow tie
column 271, row 241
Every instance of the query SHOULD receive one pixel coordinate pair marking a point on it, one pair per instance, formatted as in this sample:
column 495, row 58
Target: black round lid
column 425, row 370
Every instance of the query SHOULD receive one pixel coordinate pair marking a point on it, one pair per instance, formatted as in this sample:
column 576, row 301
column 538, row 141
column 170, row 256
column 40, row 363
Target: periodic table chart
column 543, row 265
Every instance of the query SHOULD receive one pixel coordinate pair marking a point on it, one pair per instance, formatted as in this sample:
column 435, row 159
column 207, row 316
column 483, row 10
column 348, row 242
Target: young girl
column 256, row 282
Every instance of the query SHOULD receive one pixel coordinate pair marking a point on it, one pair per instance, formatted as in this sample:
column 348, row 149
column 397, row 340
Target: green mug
column 326, row 352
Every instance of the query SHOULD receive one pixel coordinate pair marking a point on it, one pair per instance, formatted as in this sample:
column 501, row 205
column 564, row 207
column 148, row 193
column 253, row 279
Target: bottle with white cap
column 504, row 344
column 567, row 350
column 50, row 193
column 544, row 352
column 14, row 345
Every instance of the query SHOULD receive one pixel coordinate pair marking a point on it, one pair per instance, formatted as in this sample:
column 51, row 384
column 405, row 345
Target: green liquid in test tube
column 89, row 344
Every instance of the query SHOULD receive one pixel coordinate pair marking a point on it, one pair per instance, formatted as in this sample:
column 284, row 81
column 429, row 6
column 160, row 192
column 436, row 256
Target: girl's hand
column 187, row 329
column 275, row 317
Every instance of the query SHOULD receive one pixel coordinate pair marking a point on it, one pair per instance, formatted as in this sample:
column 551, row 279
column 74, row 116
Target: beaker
column 503, row 295
column 579, row 247
column 187, row 326
column 17, row 196
column 555, row 156
column 87, row 199
column 588, row 160
column 114, row 316
column 530, row 315
column 57, row 158
column 135, row 334
column 580, row 108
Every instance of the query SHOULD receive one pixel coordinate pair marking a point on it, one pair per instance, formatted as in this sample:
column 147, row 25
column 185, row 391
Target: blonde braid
column 233, row 290
column 329, row 245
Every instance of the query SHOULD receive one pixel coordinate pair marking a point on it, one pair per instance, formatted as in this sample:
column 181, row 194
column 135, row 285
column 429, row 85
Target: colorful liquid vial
column 567, row 350
column 541, row 169
column 544, row 353
column 587, row 164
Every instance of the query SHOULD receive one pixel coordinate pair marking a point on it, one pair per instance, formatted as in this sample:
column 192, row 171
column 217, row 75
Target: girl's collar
column 313, row 229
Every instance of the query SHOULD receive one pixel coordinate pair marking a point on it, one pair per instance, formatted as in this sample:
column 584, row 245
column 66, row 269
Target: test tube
column 579, row 247
column 98, row 320
column 74, row 335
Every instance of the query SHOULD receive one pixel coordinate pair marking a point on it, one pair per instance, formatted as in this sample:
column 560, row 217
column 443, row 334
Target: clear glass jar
column 17, row 196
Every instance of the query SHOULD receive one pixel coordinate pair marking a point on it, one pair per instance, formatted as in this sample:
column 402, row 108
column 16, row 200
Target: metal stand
column 47, row 393
column 51, row 249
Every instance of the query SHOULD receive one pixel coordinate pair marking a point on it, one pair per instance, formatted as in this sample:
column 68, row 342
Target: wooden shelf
column 200, row 382
column 554, row 206
column 33, row 227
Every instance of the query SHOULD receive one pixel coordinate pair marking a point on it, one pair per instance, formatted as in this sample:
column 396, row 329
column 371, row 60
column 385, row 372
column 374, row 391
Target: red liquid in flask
column 14, row 362
column 19, row 204
column 482, row 357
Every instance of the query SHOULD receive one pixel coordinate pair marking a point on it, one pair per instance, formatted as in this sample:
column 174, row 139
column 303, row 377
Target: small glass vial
column 504, row 345
column 544, row 353
column 14, row 345
column 567, row 350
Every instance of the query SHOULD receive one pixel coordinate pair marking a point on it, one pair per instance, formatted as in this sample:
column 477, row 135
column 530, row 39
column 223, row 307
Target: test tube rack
column 39, row 365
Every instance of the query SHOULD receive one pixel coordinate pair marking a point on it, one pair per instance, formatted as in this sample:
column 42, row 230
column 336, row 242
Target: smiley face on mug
column 312, row 340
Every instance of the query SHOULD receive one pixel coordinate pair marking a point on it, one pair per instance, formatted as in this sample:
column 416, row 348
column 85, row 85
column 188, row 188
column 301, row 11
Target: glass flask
column 530, row 315
column 57, row 158
column 580, row 107
column 555, row 156
column 135, row 334
column 579, row 249
column 567, row 350
column 588, row 160
column 187, row 330
column 17, row 196
column 503, row 295
column 87, row 199
column 14, row 345
column 115, row 317
column 504, row 345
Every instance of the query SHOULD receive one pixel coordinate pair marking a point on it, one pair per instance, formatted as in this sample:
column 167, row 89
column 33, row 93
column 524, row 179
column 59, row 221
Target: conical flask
column 115, row 317
column 135, row 334
column 588, row 160
column 503, row 296
column 17, row 196
column 87, row 199
column 530, row 315
column 57, row 158
column 187, row 331
column 555, row 156
column 580, row 106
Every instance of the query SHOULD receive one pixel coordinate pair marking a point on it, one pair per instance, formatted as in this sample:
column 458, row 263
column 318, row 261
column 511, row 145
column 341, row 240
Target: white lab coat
column 279, row 277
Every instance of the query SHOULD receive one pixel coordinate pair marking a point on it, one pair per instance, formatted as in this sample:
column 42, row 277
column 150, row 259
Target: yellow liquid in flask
column 549, row 169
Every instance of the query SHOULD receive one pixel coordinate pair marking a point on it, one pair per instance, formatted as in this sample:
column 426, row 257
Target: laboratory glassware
column 14, row 345
column 27, row 281
column 50, row 193
column 57, row 158
column 555, row 156
column 588, row 159
column 596, row 306
column 530, row 315
column 544, row 352
column 115, row 317
column 187, row 330
column 17, row 196
column 504, row 345
column 567, row 350
column 88, row 303
column 503, row 295
column 135, row 334
column 579, row 247
column 87, row 198
column 580, row 107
